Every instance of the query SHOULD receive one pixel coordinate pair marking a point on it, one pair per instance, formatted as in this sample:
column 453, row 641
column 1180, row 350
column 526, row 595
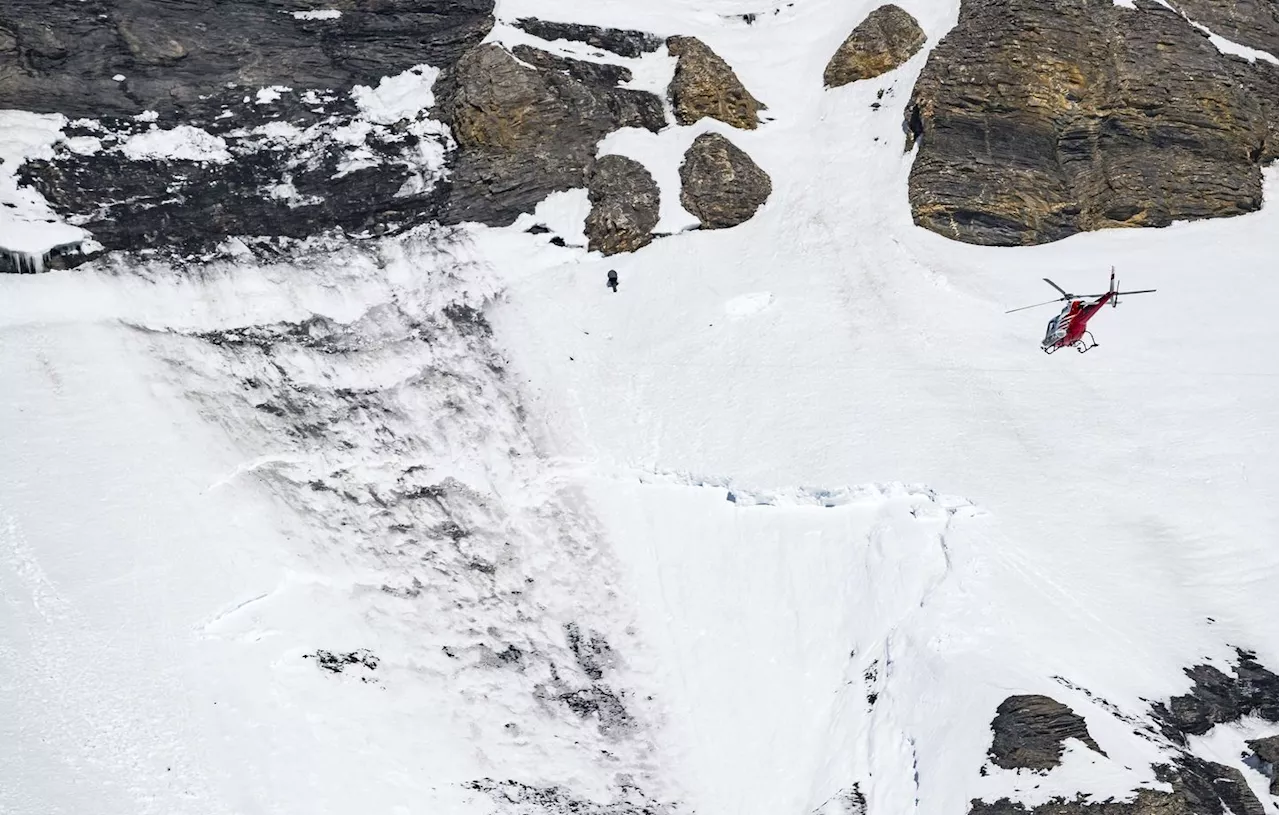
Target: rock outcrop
column 192, row 122
column 624, row 205
column 1039, row 120
column 1195, row 785
column 1028, row 733
column 1216, row 698
column 1197, row 788
column 886, row 39
column 523, row 133
column 719, row 184
column 1264, row 751
column 705, row 85
column 622, row 41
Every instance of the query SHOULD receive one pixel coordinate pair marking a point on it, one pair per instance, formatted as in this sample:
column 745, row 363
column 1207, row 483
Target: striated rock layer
column 1028, row 733
column 1036, row 121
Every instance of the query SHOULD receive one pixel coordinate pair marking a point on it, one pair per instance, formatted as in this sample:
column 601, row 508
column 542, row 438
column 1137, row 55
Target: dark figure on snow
column 612, row 281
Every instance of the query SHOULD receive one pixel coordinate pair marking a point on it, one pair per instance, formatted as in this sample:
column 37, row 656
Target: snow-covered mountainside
column 369, row 495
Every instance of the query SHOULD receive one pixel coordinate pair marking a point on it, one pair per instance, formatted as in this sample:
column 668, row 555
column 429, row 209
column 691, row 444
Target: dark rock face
column 1038, row 120
column 59, row 56
column 1197, row 786
column 1265, row 752
column 293, row 176
column 523, row 133
column 1248, row 22
column 1028, row 732
column 624, row 206
column 886, row 39
column 719, row 184
column 705, row 85
column 1217, row 698
column 591, row 72
column 621, row 41
column 292, row 161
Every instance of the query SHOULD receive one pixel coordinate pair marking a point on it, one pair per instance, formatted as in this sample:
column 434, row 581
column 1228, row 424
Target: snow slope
column 792, row 511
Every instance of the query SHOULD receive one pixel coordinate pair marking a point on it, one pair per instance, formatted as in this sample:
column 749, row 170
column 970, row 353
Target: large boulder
column 1028, row 733
column 624, row 205
column 886, row 39
column 1039, row 119
column 705, row 85
column 523, row 133
column 719, row 184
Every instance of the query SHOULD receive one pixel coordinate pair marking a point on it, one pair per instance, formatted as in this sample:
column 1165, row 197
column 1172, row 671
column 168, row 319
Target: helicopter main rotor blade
column 1037, row 305
column 1140, row 291
column 1065, row 293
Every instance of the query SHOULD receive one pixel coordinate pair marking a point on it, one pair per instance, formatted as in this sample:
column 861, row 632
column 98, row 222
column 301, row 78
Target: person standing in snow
column 612, row 281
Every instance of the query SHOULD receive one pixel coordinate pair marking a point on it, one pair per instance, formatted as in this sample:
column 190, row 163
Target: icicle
column 21, row 262
column 13, row 262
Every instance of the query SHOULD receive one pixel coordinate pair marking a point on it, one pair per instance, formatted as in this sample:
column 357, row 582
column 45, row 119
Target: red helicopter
column 1070, row 327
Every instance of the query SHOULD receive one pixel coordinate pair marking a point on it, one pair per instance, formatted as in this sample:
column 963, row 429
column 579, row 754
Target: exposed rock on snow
column 886, row 39
column 1197, row 785
column 1265, row 751
column 1198, row 788
column 1217, row 698
column 1038, row 120
column 720, row 184
column 621, row 41
column 705, row 85
column 515, row 797
column 624, row 205
column 523, row 133
column 1028, row 733
column 301, row 165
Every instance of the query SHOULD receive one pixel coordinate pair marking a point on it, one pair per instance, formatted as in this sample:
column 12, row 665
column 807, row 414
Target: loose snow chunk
column 84, row 145
column 397, row 97
column 147, row 116
column 280, row 132
column 118, row 77
column 182, row 143
column 747, row 304
column 266, row 96
column 318, row 14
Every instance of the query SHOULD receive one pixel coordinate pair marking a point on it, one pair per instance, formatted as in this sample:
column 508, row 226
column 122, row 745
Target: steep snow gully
column 440, row 524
